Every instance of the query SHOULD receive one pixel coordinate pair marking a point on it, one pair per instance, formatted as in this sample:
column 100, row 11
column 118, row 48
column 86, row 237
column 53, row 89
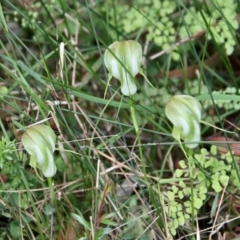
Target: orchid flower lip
column 39, row 141
column 185, row 114
column 123, row 61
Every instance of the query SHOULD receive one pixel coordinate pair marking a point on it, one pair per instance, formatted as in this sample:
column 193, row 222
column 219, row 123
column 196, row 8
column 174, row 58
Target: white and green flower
column 185, row 114
column 123, row 61
column 39, row 141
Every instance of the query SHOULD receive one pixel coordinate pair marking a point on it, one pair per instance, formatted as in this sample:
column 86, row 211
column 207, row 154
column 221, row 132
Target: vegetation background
column 103, row 189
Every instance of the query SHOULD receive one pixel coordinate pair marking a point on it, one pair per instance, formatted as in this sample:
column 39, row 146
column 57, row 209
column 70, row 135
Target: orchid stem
column 189, row 157
column 51, row 189
column 135, row 124
column 50, row 184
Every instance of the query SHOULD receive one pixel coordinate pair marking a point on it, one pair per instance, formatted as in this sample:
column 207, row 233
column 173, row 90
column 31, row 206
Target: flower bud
column 123, row 61
column 185, row 114
column 39, row 141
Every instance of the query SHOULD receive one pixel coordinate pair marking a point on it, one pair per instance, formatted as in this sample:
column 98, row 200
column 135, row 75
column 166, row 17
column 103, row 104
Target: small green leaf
column 202, row 196
column 201, row 177
column 213, row 150
column 181, row 220
column 209, row 163
column 182, row 164
column 179, row 207
column 182, row 184
column 200, row 159
column 173, row 231
column 229, row 158
column 170, row 195
column 173, row 209
column 216, row 186
column 180, row 194
column 174, row 189
column 172, row 214
column 187, row 204
column 178, row 172
column 203, row 189
column 198, row 203
column 189, row 210
column 186, row 191
column 224, row 179
column 175, row 223
column 204, row 152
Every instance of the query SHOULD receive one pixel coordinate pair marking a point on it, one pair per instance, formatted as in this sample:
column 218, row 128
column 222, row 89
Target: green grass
column 104, row 188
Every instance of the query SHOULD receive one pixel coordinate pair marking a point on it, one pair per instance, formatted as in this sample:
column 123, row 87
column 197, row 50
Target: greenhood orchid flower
column 39, row 141
column 123, row 61
column 185, row 114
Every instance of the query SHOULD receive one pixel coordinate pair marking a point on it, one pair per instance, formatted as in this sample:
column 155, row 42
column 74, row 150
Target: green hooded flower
column 123, row 61
column 185, row 114
column 39, row 141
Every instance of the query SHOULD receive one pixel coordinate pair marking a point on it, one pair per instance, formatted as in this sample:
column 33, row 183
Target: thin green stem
column 191, row 166
column 135, row 124
column 209, row 124
column 50, row 184
column 32, row 201
column 189, row 157
column 51, row 190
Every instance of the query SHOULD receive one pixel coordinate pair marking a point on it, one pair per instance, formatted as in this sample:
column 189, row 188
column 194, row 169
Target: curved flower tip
column 39, row 141
column 123, row 61
column 185, row 114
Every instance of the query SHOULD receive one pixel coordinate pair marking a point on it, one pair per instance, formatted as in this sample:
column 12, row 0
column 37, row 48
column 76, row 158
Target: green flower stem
column 32, row 201
column 134, row 119
column 190, row 164
column 50, row 184
column 51, row 189
column 188, row 155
